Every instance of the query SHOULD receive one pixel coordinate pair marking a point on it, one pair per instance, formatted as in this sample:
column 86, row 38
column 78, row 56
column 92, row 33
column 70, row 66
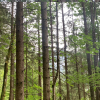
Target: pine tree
column 19, row 53
column 46, row 75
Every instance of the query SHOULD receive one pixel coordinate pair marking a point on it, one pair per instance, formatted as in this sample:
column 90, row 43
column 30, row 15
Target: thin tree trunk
column 55, row 79
column 58, row 60
column 19, row 53
column 88, row 54
column 26, row 58
column 39, row 61
column 93, row 12
column 83, row 85
column 53, row 88
column 99, row 51
column 11, row 96
column 65, row 55
column 46, row 75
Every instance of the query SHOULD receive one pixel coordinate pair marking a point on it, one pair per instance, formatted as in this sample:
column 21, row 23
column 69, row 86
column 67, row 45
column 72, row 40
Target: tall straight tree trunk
column 11, row 96
column 93, row 15
column 58, row 60
column 53, row 88
column 99, row 49
column 46, row 75
column 55, row 79
column 26, row 58
column 19, row 53
column 65, row 55
column 39, row 61
column 88, row 54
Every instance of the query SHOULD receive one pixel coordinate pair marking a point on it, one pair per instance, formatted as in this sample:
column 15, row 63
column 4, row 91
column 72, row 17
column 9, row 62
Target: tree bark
column 55, row 79
column 39, row 61
column 11, row 96
column 53, row 88
column 88, row 54
column 93, row 15
column 46, row 75
column 58, row 59
column 19, row 53
column 26, row 58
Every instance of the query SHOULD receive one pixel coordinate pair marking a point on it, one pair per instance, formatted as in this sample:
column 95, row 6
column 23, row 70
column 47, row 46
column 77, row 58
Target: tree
column 46, row 76
column 39, row 61
column 19, row 53
column 88, row 54
column 65, row 55
column 11, row 96
column 53, row 88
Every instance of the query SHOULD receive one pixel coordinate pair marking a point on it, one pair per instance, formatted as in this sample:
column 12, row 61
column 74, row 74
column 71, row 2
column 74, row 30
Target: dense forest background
column 49, row 50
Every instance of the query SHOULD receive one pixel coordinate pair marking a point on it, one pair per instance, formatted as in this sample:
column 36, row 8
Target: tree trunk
column 26, row 58
column 46, row 75
column 53, row 88
column 39, row 61
column 19, row 53
column 88, row 54
column 93, row 15
column 65, row 55
column 55, row 79
column 11, row 96
column 58, row 59
column 83, row 85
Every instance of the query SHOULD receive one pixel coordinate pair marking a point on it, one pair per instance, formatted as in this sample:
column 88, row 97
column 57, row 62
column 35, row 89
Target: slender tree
column 55, row 79
column 19, row 53
column 88, row 54
column 53, row 88
column 58, row 59
column 93, row 16
column 65, row 55
column 39, row 61
column 11, row 96
column 46, row 75
column 26, row 58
